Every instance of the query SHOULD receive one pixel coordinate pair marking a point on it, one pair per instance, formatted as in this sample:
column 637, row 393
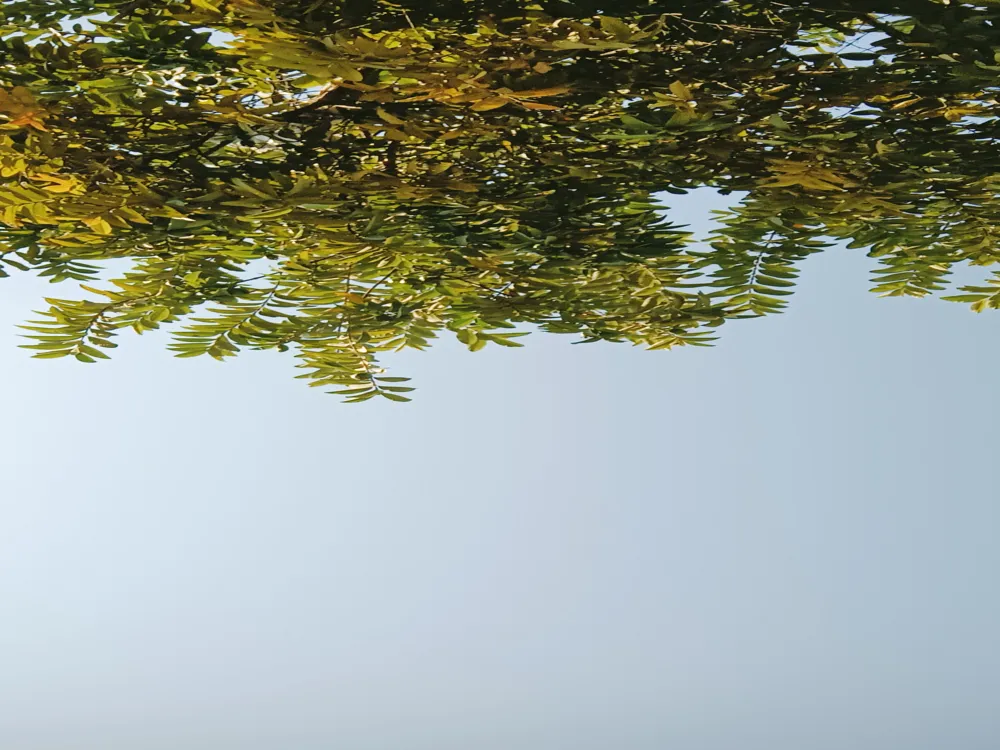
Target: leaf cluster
column 352, row 178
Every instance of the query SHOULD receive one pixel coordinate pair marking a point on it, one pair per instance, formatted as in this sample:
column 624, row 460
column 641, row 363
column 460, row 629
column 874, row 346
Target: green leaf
column 394, row 396
column 362, row 397
column 616, row 27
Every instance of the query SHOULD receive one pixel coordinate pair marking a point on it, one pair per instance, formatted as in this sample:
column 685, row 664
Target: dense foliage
column 350, row 177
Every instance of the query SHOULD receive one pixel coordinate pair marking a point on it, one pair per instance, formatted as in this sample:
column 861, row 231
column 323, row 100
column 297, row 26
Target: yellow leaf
column 482, row 264
column 345, row 71
column 541, row 67
column 17, row 100
column 40, row 214
column 789, row 167
column 247, row 189
column 117, row 221
column 681, row 91
column 389, row 118
column 537, row 105
column 800, row 180
column 827, row 176
column 616, row 27
column 165, row 212
column 56, row 183
column 97, row 224
column 71, row 240
column 490, row 102
column 9, row 216
column 23, row 96
column 29, row 120
column 538, row 93
column 265, row 215
column 252, row 9
column 132, row 215
column 20, row 106
column 570, row 44
column 204, row 5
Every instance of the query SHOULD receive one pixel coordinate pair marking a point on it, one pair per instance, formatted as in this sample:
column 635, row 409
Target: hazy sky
column 788, row 542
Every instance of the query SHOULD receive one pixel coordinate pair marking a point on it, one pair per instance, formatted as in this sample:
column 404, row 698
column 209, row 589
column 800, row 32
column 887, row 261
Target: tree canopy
column 352, row 177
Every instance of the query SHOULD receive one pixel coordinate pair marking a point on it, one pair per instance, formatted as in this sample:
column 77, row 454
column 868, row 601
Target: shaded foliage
column 349, row 178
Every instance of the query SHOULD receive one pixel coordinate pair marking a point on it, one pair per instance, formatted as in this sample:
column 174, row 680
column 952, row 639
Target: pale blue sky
column 788, row 542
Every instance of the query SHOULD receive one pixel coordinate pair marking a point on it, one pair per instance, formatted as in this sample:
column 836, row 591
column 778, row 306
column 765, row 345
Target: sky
column 787, row 541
